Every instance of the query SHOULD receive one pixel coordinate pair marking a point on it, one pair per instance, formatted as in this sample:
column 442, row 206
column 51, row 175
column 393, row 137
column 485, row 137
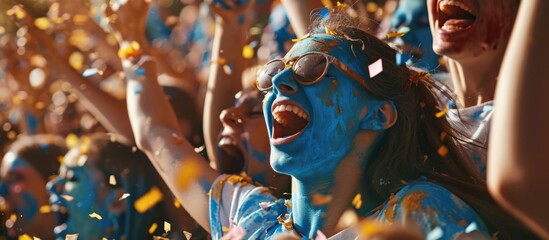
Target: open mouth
column 289, row 121
column 454, row 15
column 231, row 157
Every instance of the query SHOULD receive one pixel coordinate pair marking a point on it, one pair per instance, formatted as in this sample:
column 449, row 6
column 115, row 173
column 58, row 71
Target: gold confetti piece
column 340, row 7
column 45, row 209
column 225, row 229
column 61, row 159
column 319, row 199
column 167, row 226
column 39, row 105
column 18, row 12
column 176, row 203
column 112, row 180
column 327, row 4
column 124, row 196
column 12, row 135
column 152, row 228
column 394, row 35
column 160, row 238
column 190, row 171
column 72, row 236
column 79, row 19
column 148, row 200
column 357, row 201
column 67, row 197
column 297, row 40
column 442, row 151
column 42, row 23
column 76, row 60
column 371, row 7
column 13, row 217
column 441, row 113
column 247, row 52
column 330, row 31
column 24, row 237
column 95, row 215
column 85, row 145
column 38, row 60
column 188, row 235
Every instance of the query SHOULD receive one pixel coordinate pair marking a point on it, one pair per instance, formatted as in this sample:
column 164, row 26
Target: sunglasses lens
column 267, row 72
column 310, row 68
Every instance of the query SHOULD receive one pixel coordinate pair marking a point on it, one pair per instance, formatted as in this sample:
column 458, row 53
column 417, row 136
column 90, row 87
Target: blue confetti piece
column 140, row 71
column 137, row 89
column 89, row 72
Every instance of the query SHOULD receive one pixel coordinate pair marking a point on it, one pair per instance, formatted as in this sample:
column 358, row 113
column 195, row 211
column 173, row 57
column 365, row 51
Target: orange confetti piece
column 394, row 35
column 443, row 136
column 148, row 200
column 442, row 151
column 327, row 4
column 371, row 7
column 96, row 216
column 189, row 172
column 247, row 52
column 176, row 203
column 80, row 19
column 152, row 228
column 45, row 209
column 319, row 199
column 357, row 201
column 441, row 113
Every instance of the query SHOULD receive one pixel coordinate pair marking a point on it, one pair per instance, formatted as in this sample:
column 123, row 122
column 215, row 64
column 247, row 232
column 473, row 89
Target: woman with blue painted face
column 26, row 167
column 342, row 119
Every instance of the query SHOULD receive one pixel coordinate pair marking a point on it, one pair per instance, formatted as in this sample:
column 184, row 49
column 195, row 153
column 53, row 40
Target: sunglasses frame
column 330, row 60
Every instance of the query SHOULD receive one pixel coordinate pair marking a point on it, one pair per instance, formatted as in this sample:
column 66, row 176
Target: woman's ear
column 383, row 117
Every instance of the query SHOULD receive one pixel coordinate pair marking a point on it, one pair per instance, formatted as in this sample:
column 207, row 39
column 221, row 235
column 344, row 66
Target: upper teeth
column 227, row 141
column 446, row 3
column 289, row 108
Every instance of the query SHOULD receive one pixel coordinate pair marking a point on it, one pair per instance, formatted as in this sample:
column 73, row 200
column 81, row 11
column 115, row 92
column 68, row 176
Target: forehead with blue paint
column 335, row 105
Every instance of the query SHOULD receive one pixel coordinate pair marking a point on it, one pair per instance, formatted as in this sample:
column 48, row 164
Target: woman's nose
column 284, row 82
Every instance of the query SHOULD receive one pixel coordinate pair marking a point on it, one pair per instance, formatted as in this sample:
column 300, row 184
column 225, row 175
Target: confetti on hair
column 124, row 196
column 189, row 172
column 188, row 235
column 96, row 216
column 442, row 151
column 435, row 234
column 330, row 31
column 152, row 228
column 394, row 35
column 112, row 180
column 148, row 200
column 357, row 201
column 375, row 68
column 319, row 199
column 320, row 235
column 247, row 52
column 441, row 113
column 167, row 226
column 340, row 7
column 130, row 51
column 24, row 237
column 45, row 209
column 227, row 69
column 298, row 39
column 42, row 23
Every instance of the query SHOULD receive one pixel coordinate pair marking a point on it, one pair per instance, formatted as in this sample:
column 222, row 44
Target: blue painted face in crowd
column 311, row 127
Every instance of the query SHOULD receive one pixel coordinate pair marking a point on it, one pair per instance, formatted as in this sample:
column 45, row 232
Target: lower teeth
column 451, row 28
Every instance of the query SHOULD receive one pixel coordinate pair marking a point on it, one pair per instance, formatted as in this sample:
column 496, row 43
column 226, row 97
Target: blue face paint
column 331, row 104
column 28, row 208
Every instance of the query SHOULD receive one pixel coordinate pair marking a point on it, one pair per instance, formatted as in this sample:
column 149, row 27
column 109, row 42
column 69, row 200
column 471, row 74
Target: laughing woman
column 342, row 119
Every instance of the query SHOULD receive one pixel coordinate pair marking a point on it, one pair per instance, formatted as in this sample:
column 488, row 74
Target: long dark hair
column 409, row 150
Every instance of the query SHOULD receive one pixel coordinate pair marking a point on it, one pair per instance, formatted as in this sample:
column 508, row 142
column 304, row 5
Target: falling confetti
column 247, row 52
column 24, row 237
column 441, row 113
column 124, row 196
column 148, row 200
column 188, row 235
column 42, row 23
column 189, row 172
column 394, row 35
column 112, row 180
column 45, row 209
column 152, row 228
column 76, row 60
column 435, row 234
column 96, row 216
column 319, row 199
column 357, row 201
column 167, row 226
column 227, row 69
column 442, row 151
column 37, row 78
column 67, row 197
column 176, row 203
column 90, row 72
column 375, row 68
column 71, row 140
column 72, row 236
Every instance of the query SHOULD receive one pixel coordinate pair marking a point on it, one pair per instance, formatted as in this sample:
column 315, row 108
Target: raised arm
column 157, row 133
column 517, row 154
column 226, row 67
